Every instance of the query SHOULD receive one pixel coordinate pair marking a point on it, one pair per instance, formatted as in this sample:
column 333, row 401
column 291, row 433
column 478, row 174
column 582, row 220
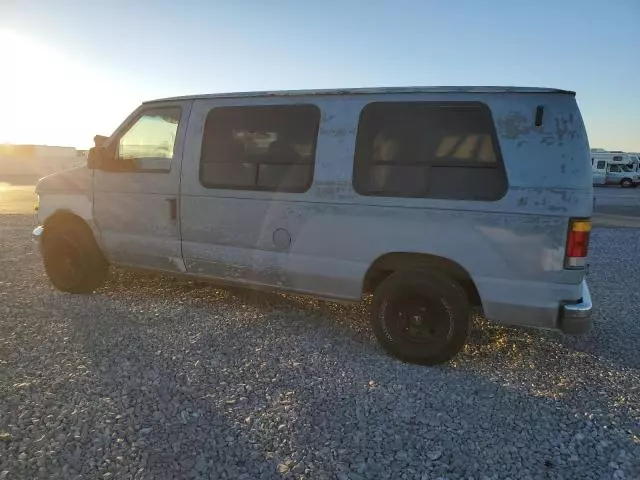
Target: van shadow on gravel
column 542, row 362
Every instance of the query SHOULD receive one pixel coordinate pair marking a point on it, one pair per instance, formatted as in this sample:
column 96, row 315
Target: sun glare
column 30, row 70
column 49, row 97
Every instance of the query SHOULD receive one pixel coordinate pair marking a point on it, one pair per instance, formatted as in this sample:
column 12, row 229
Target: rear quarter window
column 429, row 150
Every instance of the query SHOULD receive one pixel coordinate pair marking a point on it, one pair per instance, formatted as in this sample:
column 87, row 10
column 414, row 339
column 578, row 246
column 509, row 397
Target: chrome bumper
column 575, row 318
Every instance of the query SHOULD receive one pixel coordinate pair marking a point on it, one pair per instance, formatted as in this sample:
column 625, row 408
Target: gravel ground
column 158, row 378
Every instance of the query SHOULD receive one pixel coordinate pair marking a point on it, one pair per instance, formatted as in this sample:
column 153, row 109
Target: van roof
column 364, row 91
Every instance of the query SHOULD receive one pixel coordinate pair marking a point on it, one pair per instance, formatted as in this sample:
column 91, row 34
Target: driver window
column 148, row 144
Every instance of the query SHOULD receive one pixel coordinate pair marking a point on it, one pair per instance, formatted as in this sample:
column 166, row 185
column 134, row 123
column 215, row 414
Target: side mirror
column 97, row 158
column 100, row 140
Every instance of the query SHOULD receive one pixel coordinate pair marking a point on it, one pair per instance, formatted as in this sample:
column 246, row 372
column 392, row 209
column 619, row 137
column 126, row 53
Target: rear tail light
column 577, row 243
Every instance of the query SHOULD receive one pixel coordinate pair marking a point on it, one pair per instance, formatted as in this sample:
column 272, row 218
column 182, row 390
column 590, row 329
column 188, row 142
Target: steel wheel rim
column 419, row 318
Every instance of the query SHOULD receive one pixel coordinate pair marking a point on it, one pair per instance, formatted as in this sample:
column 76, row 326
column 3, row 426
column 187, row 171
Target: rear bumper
column 539, row 305
column 575, row 318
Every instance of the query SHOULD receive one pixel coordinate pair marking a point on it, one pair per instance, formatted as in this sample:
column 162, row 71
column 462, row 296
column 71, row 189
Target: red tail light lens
column 577, row 243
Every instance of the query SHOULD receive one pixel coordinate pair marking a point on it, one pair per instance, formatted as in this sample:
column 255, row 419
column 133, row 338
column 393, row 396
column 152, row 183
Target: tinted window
column 614, row 168
column 432, row 150
column 260, row 148
column 148, row 144
column 617, row 158
column 601, row 164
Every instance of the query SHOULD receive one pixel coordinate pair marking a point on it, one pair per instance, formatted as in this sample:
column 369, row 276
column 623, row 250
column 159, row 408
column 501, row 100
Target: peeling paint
column 336, row 191
column 565, row 128
column 515, row 125
column 336, row 132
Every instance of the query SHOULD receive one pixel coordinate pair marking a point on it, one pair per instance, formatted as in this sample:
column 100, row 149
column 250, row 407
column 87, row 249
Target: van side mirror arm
column 95, row 159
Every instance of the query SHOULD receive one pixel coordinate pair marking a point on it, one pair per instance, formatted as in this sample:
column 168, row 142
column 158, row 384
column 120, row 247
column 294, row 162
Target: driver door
column 599, row 172
column 614, row 174
column 136, row 195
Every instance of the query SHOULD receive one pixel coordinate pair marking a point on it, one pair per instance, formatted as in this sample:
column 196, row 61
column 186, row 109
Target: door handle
column 173, row 208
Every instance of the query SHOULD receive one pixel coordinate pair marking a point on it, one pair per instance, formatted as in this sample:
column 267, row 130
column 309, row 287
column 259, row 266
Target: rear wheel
column 421, row 316
column 72, row 259
column 626, row 183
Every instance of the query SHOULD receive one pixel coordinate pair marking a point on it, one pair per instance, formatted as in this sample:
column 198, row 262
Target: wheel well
column 62, row 217
column 393, row 262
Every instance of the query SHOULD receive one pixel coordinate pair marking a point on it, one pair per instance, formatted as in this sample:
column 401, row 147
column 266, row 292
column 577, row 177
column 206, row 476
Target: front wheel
column 421, row 316
column 626, row 183
column 72, row 260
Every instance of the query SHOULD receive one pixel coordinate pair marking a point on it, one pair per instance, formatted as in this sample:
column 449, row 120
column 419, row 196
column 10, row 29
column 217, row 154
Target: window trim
column 124, row 129
column 497, row 165
column 256, row 188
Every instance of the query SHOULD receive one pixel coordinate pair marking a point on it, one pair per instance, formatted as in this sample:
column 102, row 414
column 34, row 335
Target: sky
column 72, row 69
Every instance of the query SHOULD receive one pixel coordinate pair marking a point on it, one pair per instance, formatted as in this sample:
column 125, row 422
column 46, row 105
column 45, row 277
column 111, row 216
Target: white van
column 615, row 168
column 439, row 201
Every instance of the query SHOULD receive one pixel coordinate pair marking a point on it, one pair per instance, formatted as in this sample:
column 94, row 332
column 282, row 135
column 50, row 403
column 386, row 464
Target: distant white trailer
column 615, row 168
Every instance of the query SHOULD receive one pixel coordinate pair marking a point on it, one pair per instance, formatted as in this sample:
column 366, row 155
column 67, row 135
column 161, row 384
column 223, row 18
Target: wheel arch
column 626, row 179
column 392, row 262
column 62, row 216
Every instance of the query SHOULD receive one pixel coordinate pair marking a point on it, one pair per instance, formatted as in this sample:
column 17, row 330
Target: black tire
column 626, row 183
column 72, row 260
column 432, row 336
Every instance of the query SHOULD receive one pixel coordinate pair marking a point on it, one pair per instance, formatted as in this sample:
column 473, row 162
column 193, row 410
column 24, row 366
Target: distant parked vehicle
column 615, row 168
column 440, row 201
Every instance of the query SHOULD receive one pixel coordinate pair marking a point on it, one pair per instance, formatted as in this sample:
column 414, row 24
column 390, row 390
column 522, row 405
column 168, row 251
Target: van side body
column 331, row 237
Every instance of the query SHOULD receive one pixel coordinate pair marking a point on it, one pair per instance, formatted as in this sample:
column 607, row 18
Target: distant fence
column 37, row 167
